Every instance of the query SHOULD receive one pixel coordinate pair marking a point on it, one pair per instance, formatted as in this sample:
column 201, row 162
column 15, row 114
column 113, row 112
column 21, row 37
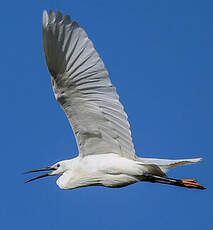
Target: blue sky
column 159, row 55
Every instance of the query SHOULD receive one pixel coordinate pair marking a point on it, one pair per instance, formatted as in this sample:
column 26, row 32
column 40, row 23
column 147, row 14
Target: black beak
column 39, row 170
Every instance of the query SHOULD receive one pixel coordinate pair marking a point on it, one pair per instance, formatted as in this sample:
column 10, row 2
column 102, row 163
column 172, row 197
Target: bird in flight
column 82, row 86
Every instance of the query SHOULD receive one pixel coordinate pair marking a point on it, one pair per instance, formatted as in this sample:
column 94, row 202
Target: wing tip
column 45, row 18
column 59, row 16
column 52, row 17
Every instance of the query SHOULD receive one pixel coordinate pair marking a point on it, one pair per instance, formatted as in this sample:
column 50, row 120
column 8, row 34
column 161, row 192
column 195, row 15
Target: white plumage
column 82, row 87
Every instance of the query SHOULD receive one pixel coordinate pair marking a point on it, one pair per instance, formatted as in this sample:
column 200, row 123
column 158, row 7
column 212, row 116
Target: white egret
column 82, row 87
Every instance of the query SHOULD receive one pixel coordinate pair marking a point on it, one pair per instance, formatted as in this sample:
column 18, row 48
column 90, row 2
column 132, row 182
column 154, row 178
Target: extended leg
column 188, row 183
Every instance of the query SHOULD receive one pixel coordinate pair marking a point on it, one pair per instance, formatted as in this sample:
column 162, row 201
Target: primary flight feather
column 82, row 86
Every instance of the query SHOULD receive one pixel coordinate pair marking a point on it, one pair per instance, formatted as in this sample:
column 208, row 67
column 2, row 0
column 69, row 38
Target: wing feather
column 82, row 87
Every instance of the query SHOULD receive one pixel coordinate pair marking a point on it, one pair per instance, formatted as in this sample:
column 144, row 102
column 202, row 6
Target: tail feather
column 165, row 164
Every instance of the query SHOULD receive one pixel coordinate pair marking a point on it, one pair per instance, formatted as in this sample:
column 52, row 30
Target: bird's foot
column 191, row 183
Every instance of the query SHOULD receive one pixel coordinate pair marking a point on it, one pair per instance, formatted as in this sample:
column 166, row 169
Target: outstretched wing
column 82, row 86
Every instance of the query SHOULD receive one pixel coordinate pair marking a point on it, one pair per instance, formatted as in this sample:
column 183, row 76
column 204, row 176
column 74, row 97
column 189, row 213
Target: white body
column 110, row 170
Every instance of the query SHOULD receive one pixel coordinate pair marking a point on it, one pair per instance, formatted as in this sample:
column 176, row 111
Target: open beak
column 39, row 170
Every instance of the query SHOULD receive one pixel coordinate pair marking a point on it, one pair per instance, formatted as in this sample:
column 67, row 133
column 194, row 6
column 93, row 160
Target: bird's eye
column 58, row 165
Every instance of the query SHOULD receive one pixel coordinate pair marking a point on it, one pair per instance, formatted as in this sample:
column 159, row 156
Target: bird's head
column 57, row 169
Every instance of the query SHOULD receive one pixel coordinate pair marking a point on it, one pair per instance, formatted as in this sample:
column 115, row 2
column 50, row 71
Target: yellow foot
column 191, row 183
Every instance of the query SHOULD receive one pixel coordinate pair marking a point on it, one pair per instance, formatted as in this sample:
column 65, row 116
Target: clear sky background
column 159, row 55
